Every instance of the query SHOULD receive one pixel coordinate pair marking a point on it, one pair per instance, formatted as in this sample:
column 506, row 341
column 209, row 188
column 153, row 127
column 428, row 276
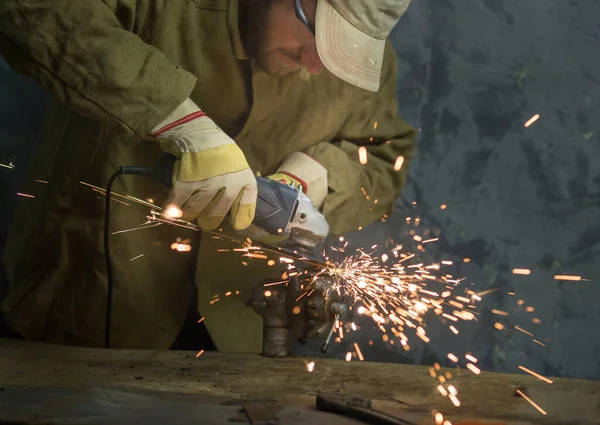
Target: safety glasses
column 302, row 16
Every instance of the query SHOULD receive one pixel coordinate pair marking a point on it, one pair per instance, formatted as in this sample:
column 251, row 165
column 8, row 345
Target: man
column 232, row 88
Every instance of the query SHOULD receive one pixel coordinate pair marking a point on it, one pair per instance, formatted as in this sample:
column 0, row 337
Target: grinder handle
column 275, row 205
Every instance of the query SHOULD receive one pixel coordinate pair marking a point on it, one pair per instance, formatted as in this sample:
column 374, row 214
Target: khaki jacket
column 117, row 68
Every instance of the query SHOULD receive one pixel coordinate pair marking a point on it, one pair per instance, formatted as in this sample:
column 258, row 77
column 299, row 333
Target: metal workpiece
column 305, row 308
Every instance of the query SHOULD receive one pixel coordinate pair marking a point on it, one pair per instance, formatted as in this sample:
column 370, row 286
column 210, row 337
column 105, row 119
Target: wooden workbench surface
column 237, row 376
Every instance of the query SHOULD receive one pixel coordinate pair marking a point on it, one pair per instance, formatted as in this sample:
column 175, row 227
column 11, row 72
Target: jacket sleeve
column 87, row 55
column 360, row 194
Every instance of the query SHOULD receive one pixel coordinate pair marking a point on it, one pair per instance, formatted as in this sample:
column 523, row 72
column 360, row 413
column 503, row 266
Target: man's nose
column 311, row 61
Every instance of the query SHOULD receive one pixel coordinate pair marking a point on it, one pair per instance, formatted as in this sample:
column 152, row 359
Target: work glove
column 304, row 173
column 211, row 176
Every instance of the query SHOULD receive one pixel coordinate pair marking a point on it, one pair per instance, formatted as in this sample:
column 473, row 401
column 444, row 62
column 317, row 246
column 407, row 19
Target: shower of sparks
column 362, row 155
column 25, row 195
column 532, row 120
column 522, row 394
column 397, row 290
column 537, row 375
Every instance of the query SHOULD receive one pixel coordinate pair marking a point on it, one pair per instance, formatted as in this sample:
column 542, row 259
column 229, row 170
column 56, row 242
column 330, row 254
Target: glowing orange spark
column 471, row 358
column 443, row 206
column 358, row 352
column 439, row 419
column 271, row 263
column 442, row 390
column 25, row 195
column 173, row 211
column 201, row 320
column 431, row 240
column 567, row 277
column 523, row 330
column 199, row 353
column 500, row 312
column 522, row 394
column 454, row 400
column 398, row 164
column 362, row 155
column 537, row 375
column 452, row 390
column 473, row 368
column 453, row 329
column 310, row 367
column 348, row 356
column 453, row 357
column 524, row 272
column 532, row 120
column 499, row 326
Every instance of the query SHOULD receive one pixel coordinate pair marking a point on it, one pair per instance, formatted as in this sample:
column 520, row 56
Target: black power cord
column 161, row 174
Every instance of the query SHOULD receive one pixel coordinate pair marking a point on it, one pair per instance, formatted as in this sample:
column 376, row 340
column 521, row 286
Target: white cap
column 351, row 37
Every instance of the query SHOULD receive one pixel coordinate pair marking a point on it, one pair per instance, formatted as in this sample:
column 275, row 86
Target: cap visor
column 346, row 51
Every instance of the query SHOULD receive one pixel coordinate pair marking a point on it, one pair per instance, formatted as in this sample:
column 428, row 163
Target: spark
column 453, row 357
column 567, row 277
column 470, row 358
column 442, row 390
column 199, row 353
column 532, row 120
column 537, row 375
column 524, row 272
column 523, row 330
column 310, row 367
column 398, row 164
column 537, row 342
column 216, row 300
column 358, row 352
column 375, row 125
column 135, row 258
column 454, row 400
column 41, row 181
column 201, row 320
column 431, row 240
column 443, row 206
column 362, row 155
column 172, row 211
column 439, row 419
column 453, row 329
column 473, row 368
column 25, row 195
column 522, row 394
column 500, row 312
column 10, row 166
column 348, row 356
column 452, row 390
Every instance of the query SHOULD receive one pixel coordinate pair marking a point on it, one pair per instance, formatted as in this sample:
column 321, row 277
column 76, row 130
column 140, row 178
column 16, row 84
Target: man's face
column 278, row 40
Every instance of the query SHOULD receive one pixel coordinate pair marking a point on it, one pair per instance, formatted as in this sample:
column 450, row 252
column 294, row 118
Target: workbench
column 47, row 384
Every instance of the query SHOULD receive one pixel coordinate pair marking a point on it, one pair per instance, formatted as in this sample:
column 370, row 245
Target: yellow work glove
column 212, row 176
column 305, row 173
